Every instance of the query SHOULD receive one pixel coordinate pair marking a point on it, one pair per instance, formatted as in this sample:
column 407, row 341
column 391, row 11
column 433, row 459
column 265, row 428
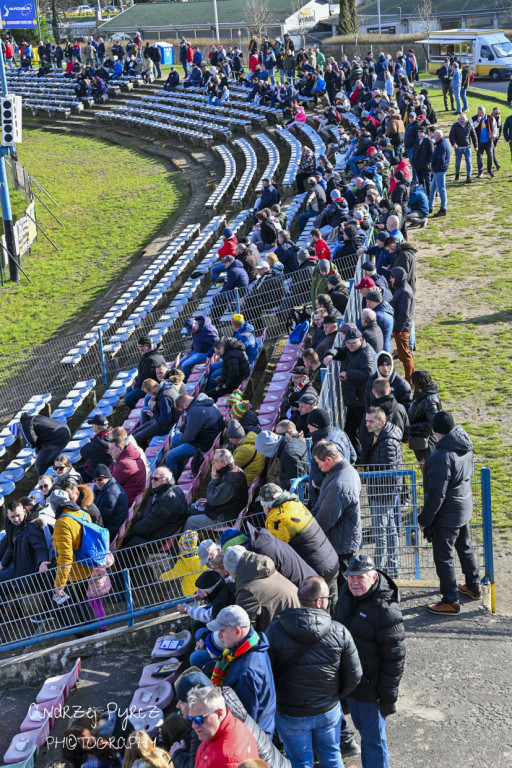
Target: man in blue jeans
column 368, row 608
column 315, row 665
column 202, row 423
column 439, row 162
column 462, row 134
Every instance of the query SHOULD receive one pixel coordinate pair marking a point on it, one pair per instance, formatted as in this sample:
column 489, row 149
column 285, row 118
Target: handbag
column 99, row 584
column 418, row 443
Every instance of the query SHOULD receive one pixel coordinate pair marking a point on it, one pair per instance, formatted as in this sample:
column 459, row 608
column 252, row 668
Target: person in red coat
column 225, row 741
column 128, row 468
column 321, row 248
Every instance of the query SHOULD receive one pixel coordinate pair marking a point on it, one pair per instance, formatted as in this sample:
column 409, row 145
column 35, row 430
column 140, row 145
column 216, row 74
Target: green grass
column 112, row 202
column 468, row 348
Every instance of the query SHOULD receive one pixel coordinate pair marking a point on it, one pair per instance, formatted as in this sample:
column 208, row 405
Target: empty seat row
column 315, row 139
column 251, row 165
column 295, row 154
column 273, row 158
column 228, row 177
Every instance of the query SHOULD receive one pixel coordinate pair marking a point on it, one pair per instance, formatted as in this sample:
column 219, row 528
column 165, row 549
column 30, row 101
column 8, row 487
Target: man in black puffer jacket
column 235, row 367
column 368, row 608
column 164, row 514
column 47, row 436
column 146, row 369
column 184, row 757
column 358, row 360
column 447, row 512
column 315, row 664
column 96, row 450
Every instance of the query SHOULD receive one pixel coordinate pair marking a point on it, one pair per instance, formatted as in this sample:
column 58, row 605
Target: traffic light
column 10, row 106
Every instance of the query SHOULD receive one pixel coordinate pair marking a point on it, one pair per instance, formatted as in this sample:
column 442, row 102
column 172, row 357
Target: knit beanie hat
column 238, row 320
column 235, row 400
column 234, row 430
column 374, row 295
column 189, row 681
column 102, row 471
column 443, row 422
column 214, row 644
column 188, row 542
column 232, row 536
column 232, row 558
column 227, row 233
column 319, row 418
column 58, row 497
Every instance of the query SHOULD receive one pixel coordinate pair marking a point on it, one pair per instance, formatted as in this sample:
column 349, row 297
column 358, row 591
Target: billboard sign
column 18, row 14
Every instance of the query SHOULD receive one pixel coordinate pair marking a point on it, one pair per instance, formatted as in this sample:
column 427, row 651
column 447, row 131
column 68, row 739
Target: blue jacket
column 203, row 422
column 112, row 502
column 164, row 413
column 250, row 676
column 26, row 547
column 205, row 336
column 197, row 58
column 385, row 317
column 117, row 70
column 457, row 78
column 195, row 76
column 270, row 196
column 287, row 255
column 382, row 283
column 245, row 334
column 441, row 156
column 319, row 86
column 418, row 200
column 237, row 277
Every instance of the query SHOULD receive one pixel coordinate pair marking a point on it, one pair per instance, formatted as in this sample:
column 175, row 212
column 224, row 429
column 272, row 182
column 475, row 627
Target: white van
column 488, row 50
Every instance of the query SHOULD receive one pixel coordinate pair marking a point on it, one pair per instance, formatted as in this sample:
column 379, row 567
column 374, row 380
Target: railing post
column 102, row 359
column 485, row 481
column 128, row 595
column 237, row 301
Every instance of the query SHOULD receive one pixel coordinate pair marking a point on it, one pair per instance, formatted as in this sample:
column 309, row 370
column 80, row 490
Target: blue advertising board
column 18, row 14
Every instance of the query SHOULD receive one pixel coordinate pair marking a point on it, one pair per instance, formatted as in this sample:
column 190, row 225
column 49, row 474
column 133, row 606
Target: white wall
column 320, row 11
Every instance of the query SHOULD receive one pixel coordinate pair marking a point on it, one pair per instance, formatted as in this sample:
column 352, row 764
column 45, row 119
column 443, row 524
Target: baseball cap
column 353, row 334
column 145, row 341
column 231, row 616
column 98, row 420
column 204, row 549
column 269, row 492
column 366, row 282
column 359, row 565
column 369, row 266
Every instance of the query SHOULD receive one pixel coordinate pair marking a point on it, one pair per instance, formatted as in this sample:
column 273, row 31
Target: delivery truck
column 489, row 51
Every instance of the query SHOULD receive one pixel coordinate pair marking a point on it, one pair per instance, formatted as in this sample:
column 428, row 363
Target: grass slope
column 113, row 201
column 466, row 342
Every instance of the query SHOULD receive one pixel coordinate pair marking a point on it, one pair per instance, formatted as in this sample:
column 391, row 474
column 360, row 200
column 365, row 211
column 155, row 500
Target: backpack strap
column 243, row 466
column 74, row 517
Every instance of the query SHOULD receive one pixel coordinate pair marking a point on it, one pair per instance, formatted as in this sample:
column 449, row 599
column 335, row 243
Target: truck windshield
column 502, row 49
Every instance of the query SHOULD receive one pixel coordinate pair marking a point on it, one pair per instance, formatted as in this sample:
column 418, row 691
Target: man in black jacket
column 290, row 452
column 235, row 367
column 338, row 292
column 423, row 150
column 164, row 513
column 146, row 369
column 462, row 135
column 48, row 436
column 368, row 608
column 400, row 388
column 445, row 75
column 315, row 665
column 358, row 360
column 96, row 450
column 111, row 500
column 384, row 453
column 202, row 423
column 403, row 306
column 226, row 496
column 447, row 512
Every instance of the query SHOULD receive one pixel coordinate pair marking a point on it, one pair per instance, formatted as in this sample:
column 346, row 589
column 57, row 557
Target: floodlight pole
column 378, row 17
column 216, row 20
column 5, row 202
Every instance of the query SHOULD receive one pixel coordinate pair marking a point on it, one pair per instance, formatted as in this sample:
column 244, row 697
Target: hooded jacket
column 227, row 494
column 405, row 257
column 237, row 277
column 286, row 560
column 164, row 412
column 96, row 451
column 400, row 195
column 204, row 338
column 327, row 670
column 375, row 622
column 319, row 282
column 337, row 510
column 112, row 503
column 293, row 459
column 339, row 297
column 248, row 458
column 202, row 423
column 228, row 248
column 290, row 521
column 148, row 364
column 402, row 302
column 245, row 334
column 262, row 591
column 287, row 254
column 400, row 388
column 447, row 476
column 42, row 430
column 164, row 515
column 359, row 366
column 130, row 472
column 67, row 539
column 386, row 451
column 396, row 415
column 235, row 365
column 423, row 410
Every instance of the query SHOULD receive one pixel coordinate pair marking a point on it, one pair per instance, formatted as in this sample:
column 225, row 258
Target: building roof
column 441, row 7
column 190, row 14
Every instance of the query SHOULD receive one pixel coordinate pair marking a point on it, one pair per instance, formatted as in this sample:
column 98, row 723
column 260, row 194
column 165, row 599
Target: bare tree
column 258, row 16
column 427, row 19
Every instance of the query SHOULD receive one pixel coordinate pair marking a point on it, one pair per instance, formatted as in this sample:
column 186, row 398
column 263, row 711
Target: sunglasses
column 44, row 485
column 199, row 719
column 59, row 468
column 157, row 477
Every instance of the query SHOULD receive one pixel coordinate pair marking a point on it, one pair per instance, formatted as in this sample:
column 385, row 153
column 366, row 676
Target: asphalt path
column 479, row 85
